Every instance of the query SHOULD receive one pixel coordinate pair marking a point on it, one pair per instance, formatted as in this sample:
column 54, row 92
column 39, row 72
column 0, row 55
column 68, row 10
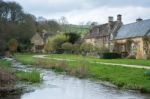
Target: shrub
column 54, row 43
column 131, row 57
column 86, row 47
column 76, row 48
column 67, row 47
column 110, row 55
column 12, row 44
column 102, row 49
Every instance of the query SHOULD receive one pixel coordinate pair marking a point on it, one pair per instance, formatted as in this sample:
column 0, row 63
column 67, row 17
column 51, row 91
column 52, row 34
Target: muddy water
column 57, row 86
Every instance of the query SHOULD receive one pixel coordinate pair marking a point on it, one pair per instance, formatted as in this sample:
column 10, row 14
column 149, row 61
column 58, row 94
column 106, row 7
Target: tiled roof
column 136, row 29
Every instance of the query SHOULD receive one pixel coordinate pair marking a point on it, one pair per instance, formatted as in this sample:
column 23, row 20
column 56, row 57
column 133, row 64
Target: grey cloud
column 118, row 3
column 44, row 6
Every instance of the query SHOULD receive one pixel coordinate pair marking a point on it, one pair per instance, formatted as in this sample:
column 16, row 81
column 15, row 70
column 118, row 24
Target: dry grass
column 6, row 78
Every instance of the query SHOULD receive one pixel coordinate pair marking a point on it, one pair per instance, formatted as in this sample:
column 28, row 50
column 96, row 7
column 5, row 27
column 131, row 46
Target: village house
column 100, row 34
column 38, row 41
column 130, row 39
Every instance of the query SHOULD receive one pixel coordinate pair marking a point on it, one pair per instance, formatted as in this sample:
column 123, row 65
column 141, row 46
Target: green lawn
column 94, row 59
column 25, row 59
column 125, row 77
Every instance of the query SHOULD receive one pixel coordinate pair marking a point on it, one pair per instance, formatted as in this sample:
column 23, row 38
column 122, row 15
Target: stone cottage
column 133, row 39
column 100, row 34
column 38, row 41
column 130, row 39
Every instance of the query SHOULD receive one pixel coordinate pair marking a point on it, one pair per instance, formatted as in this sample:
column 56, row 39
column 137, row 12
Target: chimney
column 119, row 17
column 110, row 19
column 139, row 19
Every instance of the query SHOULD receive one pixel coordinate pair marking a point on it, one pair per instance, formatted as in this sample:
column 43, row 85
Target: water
column 57, row 86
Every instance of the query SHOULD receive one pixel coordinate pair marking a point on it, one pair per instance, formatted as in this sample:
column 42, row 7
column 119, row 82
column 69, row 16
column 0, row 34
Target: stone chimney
column 139, row 19
column 110, row 19
column 119, row 18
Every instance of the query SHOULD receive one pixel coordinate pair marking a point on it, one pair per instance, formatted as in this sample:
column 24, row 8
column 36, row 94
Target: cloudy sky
column 82, row 11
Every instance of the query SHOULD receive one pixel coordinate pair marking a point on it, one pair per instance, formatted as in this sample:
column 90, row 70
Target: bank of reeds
column 32, row 76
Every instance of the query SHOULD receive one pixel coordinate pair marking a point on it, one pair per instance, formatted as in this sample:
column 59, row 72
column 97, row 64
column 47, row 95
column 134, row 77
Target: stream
column 59, row 86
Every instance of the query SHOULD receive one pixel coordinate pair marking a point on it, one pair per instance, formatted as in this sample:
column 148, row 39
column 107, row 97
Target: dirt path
column 114, row 64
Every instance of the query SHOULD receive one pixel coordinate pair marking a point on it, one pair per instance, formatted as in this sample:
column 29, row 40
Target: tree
column 51, row 26
column 63, row 21
column 55, row 42
column 72, row 37
column 67, row 47
column 15, row 23
column 12, row 45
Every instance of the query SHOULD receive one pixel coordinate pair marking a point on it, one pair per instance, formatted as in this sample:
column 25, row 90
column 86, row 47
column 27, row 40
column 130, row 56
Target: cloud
column 120, row 3
column 129, row 14
column 78, row 11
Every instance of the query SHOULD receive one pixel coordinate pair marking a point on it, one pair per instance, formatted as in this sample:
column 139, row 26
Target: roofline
column 135, row 22
column 129, row 37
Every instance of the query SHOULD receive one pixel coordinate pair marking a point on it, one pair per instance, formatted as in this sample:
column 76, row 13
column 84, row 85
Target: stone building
column 38, row 41
column 133, row 39
column 129, row 39
column 101, row 34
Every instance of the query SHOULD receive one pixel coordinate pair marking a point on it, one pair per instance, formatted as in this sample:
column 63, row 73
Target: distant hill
column 81, row 29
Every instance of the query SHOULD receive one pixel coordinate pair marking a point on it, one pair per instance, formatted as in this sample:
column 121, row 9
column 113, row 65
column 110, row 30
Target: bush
column 12, row 44
column 59, row 51
column 76, row 48
column 67, row 47
column 86, row 47
column 131, row 57
column 110, row 55
column 54, row 43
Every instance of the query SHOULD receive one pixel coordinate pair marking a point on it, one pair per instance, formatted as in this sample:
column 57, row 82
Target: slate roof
column 136, row 29
column 102, row 30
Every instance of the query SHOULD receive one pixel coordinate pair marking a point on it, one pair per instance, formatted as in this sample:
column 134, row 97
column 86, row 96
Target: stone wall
column 104, row 41
column 133, row 46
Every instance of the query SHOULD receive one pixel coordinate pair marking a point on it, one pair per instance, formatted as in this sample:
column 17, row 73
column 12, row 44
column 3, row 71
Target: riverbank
column 123, row 77
column 9, row 78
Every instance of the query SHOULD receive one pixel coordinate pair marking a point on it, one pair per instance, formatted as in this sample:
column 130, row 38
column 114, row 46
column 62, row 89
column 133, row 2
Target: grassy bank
column 124, row 77
column 94, row 59
column 6, row 75
column 8, row 72
column 5, row 64
column 33, row 76
column 25, row 59
column 9, row 78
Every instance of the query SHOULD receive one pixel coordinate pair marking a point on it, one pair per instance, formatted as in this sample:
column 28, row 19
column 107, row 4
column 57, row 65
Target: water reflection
column 65, row 87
